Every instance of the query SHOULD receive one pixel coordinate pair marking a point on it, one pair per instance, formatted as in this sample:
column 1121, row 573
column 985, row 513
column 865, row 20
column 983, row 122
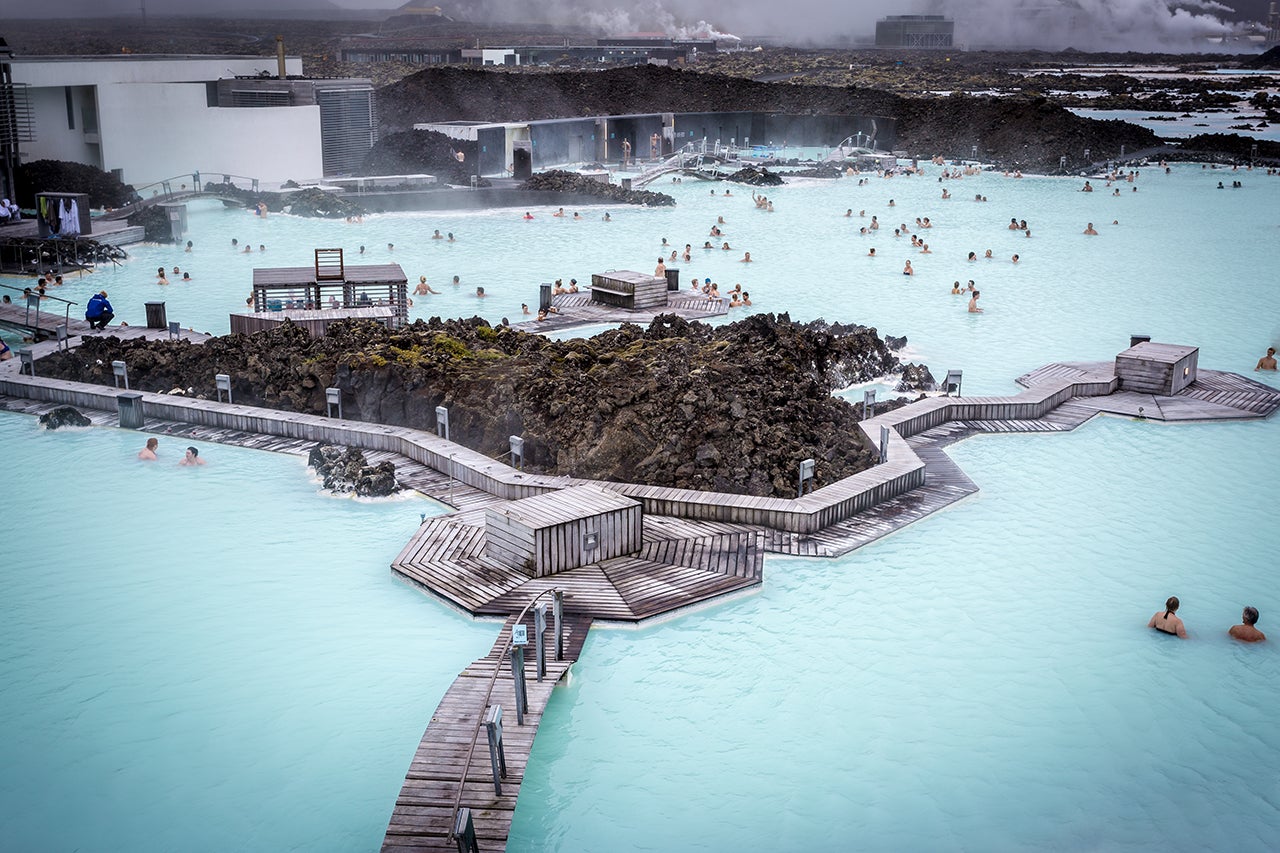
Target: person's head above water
column 1250, row 616
column 1171, row 606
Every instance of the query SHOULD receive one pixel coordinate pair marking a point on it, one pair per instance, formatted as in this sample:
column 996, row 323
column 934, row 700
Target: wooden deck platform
column 577, row 309
column 451, row 765
column 1214, row 395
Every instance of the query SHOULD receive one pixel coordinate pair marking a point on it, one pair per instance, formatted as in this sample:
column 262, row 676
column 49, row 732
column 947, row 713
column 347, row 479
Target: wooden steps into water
column 452, row 762
column 447, row 557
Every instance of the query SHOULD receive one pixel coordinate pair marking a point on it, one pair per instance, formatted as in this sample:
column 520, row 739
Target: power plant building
column 915, row 32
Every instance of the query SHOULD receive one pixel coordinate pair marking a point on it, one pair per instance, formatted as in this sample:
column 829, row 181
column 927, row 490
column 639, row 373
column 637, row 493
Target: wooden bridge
column 176, row 189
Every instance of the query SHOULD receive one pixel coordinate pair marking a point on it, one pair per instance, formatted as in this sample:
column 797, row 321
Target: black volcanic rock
column 345, row 470
column 64, row 416
column 731, row 408
column 571, row 182
column 1026, row 131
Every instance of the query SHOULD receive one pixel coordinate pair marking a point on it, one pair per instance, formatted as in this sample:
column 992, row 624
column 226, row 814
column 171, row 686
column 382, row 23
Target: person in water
column 1090, row 230
column 973, row 303
column 192, row 457
column 1167, row 621
column 149, row 452
column 1268, row 361
column 1245, row 631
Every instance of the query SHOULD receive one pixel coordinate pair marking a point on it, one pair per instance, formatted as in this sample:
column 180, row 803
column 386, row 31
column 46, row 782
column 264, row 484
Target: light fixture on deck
column 333, row 399
column 884, row 444
column 175, row 330
column 952, row 381
column 223, row 383
column 868, row 403
column 517, row 451
column 806, row 476
column 121, row 371
column 442, row 422
column 28, row 360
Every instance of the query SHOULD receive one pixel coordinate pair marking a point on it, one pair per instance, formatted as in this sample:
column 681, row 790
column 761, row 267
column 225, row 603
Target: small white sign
column 520, row 635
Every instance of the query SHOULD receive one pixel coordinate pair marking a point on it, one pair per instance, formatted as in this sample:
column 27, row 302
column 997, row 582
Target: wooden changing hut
column 1150, row 368
column 627, row 289
column 562, row 530
column 331, row 284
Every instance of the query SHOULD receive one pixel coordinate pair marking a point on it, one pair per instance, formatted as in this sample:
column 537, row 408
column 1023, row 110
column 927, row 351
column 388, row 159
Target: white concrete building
column 154, row 117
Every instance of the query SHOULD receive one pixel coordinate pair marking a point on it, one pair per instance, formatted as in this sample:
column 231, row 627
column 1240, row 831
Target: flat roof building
column 918, row 32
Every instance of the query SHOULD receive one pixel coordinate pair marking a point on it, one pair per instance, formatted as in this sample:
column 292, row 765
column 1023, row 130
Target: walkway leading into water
column 451, row 768
column 577, row 309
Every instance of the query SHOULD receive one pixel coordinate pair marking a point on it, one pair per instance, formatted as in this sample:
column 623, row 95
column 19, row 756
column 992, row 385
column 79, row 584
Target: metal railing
column 33, row 300
column 475, row 734
column 164, row 190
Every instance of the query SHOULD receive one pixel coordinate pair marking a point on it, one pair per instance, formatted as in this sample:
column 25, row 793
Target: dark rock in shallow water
column 64, row 416
column 345, row 470
column 895, row 344
column 755, row 177
column 916, row 377
column 571, row 182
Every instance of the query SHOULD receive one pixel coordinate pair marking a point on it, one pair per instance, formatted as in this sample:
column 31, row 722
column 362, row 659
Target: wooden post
column 497, row 756
column 517, row 675
column 539, row 641
column 557, row 608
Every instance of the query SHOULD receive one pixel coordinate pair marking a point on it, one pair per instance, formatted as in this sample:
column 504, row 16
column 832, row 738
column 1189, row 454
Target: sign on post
column 442, row 422
column 806, row 475
column 333, row 399
column 223, row 381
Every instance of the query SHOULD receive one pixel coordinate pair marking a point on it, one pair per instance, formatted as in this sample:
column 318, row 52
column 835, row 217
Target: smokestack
column 280, row 56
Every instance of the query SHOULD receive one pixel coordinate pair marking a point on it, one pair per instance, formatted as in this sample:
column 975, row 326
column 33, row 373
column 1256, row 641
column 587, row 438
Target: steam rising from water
column 1046, row 24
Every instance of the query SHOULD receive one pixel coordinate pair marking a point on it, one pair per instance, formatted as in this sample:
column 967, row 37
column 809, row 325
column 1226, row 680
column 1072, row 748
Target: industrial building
column 915, row 32
column 636, row 50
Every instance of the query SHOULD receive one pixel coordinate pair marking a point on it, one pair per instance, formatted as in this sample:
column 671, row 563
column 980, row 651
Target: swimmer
column 1087, row 188
column 1268, row 361
column 1245, row 632
column 248, row 249
column 524, row 308
column 848, row 212
column 576, row 215
column 362, row 250
column 875, row 223
column 606, row 217
column 450, row 238
column 189, row 246
column 479, row 293
column 456, row 281
column 946, row 195
column 987, row 254
column 528, row 215
column 907, row 270
column 1089, row 229
column 674, row 256
column 955, row 288
column 423, row 288
column 391, row 247
column 234, row 243
column 573, row 285
column 1167, row 622
column 175, row 272
column 1014, row 259
column 746, row 299
column 186, row 276
column 1013, row 224
column 558, row 213
column 661, row 269
column 871, row 253
column 707, row 245
column 973, row 303
column 192, row 457
column 437, row 235
column 724, row 247
column 746, row 258
column 891, row 203
column 262, row 248
column 973, row 256
column 149, row 452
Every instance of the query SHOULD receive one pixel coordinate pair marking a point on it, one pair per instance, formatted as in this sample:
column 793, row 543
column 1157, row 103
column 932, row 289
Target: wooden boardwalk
column 577, row 309
column 451, row 765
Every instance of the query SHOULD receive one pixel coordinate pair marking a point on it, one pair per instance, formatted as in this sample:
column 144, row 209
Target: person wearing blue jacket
column 98, row 312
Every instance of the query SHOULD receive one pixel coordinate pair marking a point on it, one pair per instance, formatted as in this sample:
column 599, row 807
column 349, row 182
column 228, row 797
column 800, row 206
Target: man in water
column 1245, row 632
column 1089, row 229
column 1268, row 361
column 192, row 457
column 149, row 452
column 973, row 303
column 1166, row 621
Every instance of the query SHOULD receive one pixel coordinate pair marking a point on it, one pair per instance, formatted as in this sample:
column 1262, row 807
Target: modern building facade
column 151, row 117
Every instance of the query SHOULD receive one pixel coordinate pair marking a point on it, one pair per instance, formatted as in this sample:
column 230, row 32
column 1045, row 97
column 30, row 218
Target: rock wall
column 733, row 408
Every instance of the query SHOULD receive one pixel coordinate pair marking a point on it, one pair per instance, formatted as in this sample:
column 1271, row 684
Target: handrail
column 475, row 735
column 66, row 313
column 167, row 185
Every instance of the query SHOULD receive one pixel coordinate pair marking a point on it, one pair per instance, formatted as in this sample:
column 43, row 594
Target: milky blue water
column 982, row 680
column 205, row 659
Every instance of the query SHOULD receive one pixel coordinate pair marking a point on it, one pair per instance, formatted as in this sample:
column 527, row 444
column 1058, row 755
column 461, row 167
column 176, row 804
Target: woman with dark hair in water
column 1167, row 621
